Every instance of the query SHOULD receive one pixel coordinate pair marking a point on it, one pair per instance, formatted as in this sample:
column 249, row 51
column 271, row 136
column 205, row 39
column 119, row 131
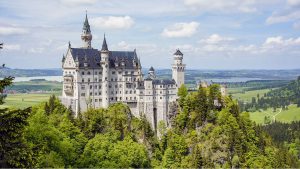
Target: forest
column 207, row 130
column 278, row 98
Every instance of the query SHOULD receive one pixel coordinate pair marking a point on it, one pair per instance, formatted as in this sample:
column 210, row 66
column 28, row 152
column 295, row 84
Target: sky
column 212, row 34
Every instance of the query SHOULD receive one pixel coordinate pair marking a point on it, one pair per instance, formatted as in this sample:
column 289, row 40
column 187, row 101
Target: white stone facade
column 97, row 78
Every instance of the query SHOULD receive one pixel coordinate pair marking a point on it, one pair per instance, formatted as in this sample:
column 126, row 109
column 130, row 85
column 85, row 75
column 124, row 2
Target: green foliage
column 208, row 131
column 14, row 151
column 7, row 81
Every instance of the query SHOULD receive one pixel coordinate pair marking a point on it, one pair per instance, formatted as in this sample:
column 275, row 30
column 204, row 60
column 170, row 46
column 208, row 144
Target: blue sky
column 212, row 34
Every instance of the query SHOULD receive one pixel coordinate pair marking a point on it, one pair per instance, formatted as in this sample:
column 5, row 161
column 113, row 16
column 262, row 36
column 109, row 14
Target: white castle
column 97, row 78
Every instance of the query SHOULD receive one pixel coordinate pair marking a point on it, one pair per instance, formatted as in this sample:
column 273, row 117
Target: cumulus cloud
column 9, row 30
column 178, row 30
column 112, row 22
column 283, row 17
column 280, row 43
column 216, row 39
column 246, row 6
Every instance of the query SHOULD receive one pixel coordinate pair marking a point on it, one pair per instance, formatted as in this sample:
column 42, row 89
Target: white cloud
column 216, row 39
column 246, row 6
column 36, row 50
column 10, row 47
column 112, row 22
column 9, row 30
column 280, row 43
column 78, row 2
column 293, row 2
column 283, row 17
column 180, row 30
column 143, row 48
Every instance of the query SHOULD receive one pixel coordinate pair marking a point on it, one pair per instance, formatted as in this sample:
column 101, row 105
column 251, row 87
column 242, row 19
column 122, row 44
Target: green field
column 246, row 96
column 25, row 100
column 292, row 114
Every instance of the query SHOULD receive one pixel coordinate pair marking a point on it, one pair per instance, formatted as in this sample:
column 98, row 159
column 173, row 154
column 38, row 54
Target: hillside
column 200, row 134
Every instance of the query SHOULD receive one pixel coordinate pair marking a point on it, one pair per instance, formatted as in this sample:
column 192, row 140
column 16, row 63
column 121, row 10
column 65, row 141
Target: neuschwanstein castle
column 96, row 78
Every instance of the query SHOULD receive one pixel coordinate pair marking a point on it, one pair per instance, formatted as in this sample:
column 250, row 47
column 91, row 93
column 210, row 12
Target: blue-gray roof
column 178, row 52
column 163, row 81
column 92, row 57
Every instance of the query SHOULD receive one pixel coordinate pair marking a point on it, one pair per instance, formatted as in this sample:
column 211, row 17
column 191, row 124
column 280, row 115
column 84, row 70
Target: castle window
column 160, row 92
column 91, row 93
column 113, row 72
column 109, row 86
column 126, row 72
column 82, row 87
column 126, row 98
column 134, row 98
column 116, row 92
column 95, row 86
column 91, row 86
column 82, row 72
column 116, row 86
column 99, row 93
column 130, row 91
column 116, row 79
column 112, row 92
column 120, row 92
column 134, row 91
column 116, row 99
column 82, row 94
column 126, row 92
column 88, row 72
column 89, row 79
column 120, row 85
column 95, row 79
column 112, row 79
column 99, row 86
column 130, row 98
column 96, row 100
column 100, row 73
column 95, row 72
column 120, row 72
column 120, row 98
column 95, row 93
column 160, row 98
column 132, row 72
column 82, row 80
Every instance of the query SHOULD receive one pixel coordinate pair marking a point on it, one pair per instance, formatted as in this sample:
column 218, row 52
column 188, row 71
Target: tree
column 182, row 93
column 14, row 152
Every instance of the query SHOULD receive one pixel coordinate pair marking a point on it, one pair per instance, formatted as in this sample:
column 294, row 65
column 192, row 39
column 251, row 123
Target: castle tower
column 86, row 35
column 105, row 74
column 151, row 73
column 178, row 68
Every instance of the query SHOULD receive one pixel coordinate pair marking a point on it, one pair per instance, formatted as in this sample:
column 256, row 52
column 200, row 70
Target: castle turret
column 178, row 68
column 86, row 35
column 105, row 74
column 151, row 73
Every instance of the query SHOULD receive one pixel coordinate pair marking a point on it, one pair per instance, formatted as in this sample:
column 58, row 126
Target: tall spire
column 86, row 35
column 104, row 45
column 86, row 25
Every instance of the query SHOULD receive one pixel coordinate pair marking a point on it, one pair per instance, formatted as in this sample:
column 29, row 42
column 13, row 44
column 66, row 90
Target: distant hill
column 278, row 98
column 29, row 72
